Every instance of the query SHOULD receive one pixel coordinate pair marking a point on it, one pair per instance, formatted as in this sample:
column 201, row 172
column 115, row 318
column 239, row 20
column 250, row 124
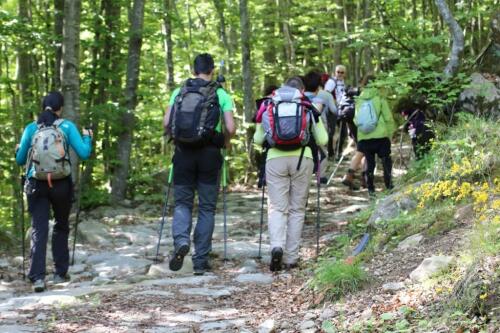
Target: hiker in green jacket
column 375, row 129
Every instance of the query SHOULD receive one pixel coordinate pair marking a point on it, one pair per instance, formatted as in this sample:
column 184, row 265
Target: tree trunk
column 24, row 68
column 457, row 38
column 367, row 52
column 284, row 9
column 167, row 26
column 120, row 177
column 269, row 27
column 220, row 7
column 70, row 61
column 58, row 34
column 246, row 61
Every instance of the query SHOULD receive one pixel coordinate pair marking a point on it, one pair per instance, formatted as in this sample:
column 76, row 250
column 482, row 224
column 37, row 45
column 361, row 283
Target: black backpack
column 195, row 113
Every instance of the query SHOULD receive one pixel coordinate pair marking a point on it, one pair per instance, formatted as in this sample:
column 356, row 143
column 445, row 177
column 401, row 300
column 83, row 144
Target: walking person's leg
column 38, row 206
column 384, row 152
column 299, row 189
column 184, row 186
column 209, row 164
column 366, row 147
column 278, row 189
column 60, row 196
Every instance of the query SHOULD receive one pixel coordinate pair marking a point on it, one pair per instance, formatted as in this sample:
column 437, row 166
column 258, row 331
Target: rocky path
column 116, row 287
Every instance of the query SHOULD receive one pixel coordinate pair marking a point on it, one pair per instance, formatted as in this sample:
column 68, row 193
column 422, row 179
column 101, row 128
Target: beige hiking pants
column 287, row 197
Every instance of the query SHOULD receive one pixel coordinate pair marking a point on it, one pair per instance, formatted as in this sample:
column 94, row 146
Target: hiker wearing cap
column 289, row 167
column 200, row 122
column 44, row 148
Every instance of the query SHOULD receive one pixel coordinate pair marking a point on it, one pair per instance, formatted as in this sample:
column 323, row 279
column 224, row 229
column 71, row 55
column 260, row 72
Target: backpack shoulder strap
column 58, row 122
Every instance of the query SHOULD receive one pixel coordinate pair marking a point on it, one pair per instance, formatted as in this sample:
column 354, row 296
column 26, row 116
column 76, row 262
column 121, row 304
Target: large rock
column 110, row 265
column 390, row 207
column 267, row 326
column 410, row 242
column 258, row 278
column 429, row 267
column 239, row 250
column 94, row 233
column 482, row 97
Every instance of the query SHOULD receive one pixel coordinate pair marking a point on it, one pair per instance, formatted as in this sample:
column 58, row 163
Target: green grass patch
column 337, row 278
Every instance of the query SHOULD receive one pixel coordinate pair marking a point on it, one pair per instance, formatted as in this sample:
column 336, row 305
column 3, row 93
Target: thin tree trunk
column 119, row 183
column 220, row 8
column 70, row 61
column 270, row 55
column 24, row 67
column 284, row 8
column 457, row 38
column 58, row 36
column 367, row 52
column 246, row 61
column 169, row 45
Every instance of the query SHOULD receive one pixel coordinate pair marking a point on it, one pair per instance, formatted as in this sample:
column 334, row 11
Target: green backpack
column 49, row 152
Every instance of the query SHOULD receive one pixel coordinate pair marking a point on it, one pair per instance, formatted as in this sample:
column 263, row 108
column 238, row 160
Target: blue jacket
column 82, row 146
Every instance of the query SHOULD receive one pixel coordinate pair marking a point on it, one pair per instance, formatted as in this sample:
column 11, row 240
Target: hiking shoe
column 60, row 278
column 39, row 286
column 202, row 269
column 276, row 257
column 178, row 258
column 323, row 180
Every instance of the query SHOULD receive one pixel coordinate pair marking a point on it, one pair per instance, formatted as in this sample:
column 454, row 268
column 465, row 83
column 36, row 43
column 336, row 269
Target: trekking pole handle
column 224, row 169
column 170, row 173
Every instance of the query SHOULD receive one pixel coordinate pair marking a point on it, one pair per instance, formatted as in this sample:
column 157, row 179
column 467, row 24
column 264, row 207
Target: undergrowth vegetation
column 460, row 172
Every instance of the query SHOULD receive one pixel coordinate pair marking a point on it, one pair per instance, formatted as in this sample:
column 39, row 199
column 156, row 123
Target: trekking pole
column 23, row 243
column 335, row 170
column 78, row 208
column 261, row 217
column 224, row 187
column 165, row 210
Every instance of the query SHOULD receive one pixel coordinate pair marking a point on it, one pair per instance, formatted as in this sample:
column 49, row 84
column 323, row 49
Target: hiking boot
column 178, row 258
column 202, row 269
column 348, row 180
column 60, row 278
column 39, row 286
column 323, row 180
column 276, row 257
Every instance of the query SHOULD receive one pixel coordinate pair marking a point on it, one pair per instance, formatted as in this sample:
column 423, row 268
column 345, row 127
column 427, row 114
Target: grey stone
column 111, row 265
column 190, row 280
column 77, row 269
column 481, row 97
column 18, row 329
column 390, row 207
column 393, row 286
column 41, row 317
column 308, row 324
column 240, row 250
column 366, row 314
column 249, row 266
column 327, row 313
column 430, row 266
column 155, row 293
column 163, row 269
column 410, row 242
column 258, row 278
column 222, row 326
column 94, row 233
column 4, row 263
column 169, row 330
column 267, row 326
column 213, row 293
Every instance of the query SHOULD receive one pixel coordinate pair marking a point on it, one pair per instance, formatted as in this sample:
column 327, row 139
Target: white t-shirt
column 339, row 87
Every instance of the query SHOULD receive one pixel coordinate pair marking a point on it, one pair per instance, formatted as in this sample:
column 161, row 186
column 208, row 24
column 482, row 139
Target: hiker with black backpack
column 197, row 113
column 291, row 127
column 44, row 148
column 376, row 126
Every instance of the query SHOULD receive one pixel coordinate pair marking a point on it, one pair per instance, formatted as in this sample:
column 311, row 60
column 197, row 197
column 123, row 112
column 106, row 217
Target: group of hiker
column 295, row 124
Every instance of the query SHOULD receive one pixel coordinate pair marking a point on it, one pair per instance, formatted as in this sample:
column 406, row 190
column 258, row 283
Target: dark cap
column 54, row 101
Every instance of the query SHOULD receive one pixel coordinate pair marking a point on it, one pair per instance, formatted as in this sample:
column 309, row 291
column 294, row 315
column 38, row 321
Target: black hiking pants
column 382, row 148
column 196, row 170
column 59, row 197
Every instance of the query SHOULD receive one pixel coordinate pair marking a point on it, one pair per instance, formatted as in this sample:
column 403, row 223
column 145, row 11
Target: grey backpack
column 49, row 152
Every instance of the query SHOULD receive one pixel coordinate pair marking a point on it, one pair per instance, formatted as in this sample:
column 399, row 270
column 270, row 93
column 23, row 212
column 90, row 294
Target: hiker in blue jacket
column 46, row 190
